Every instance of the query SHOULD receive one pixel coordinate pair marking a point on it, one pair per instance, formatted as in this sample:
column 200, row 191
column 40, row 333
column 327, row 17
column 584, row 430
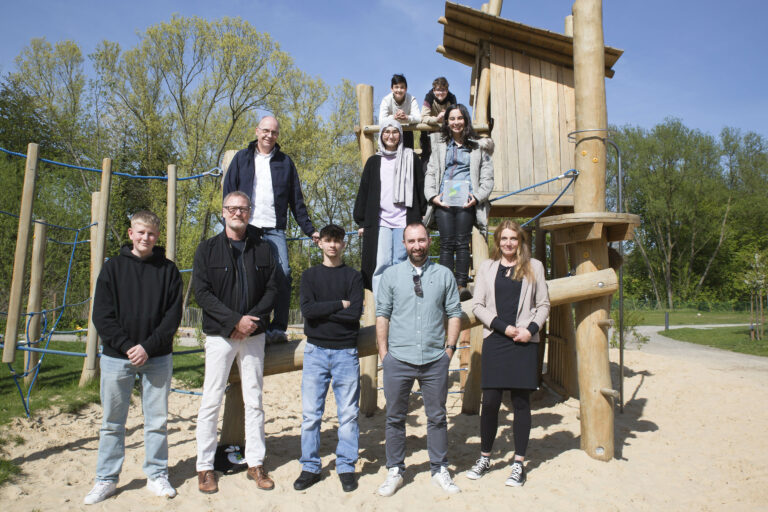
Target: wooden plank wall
column 532, row 106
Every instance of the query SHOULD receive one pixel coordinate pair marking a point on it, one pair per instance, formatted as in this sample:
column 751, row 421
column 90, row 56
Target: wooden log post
column 170, row 223
column 472, row 386
column 483, row 93
column 20, row 256
column 540, row 253
column 233, row 421
column 562, row 316
column 369, row 366
column 589, row 256
column 34, row 302
column 90, row 367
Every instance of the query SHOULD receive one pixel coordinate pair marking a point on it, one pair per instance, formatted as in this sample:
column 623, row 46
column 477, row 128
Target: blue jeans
column 276, row 240
column 118, row 377
column 321, row 367
column 390, row 250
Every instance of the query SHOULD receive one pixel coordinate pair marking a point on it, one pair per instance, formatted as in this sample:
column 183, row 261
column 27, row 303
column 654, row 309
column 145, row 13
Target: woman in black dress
column 512, row 302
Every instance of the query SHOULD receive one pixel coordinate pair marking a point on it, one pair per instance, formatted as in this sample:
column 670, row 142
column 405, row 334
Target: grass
column 735, row 339
column 693, row 317
column 58, row 385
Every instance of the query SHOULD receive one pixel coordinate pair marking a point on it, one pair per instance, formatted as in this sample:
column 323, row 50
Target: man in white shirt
column 270, row 179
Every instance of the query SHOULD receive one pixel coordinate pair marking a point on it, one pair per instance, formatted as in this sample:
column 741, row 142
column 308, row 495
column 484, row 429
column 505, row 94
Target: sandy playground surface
column 693, row 436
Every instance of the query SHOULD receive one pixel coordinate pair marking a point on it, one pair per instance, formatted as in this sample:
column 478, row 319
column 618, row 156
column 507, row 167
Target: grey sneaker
column 393, row 482
column 481, row 467
column 443, row 480
column 160, row 486
column 101, row 491
column 517, row 477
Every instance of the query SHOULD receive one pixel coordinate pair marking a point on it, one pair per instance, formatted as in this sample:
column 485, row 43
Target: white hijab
column 403, row 186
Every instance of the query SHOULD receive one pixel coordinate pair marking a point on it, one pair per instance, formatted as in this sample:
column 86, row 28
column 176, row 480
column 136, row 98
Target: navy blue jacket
column 285, row 185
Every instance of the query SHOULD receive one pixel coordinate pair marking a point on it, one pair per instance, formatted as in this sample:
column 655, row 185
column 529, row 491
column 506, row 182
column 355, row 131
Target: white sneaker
column 101, row 491
column 481, row 467
column 393, row 482
column 443, row 480
column 160, row 486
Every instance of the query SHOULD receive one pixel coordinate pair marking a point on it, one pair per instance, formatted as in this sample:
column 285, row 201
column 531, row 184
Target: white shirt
column 389, row 106
column 263, row 210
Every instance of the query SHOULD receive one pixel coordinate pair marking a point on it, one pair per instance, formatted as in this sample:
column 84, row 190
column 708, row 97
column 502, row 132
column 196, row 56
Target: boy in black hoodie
column 136, row 311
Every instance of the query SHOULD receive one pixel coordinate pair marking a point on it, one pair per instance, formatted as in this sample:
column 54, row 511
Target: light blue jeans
column 276, row 240
column 118, row 377
column 323, row 366
column 390, row 250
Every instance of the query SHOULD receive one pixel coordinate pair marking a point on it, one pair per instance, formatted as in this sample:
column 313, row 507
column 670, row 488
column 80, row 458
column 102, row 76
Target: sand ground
column 693, row 436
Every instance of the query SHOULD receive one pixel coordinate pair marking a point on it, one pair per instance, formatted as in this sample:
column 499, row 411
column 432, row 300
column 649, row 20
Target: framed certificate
column 455, row 192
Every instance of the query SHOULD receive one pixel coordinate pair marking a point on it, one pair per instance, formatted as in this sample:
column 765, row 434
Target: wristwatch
column 452, row 347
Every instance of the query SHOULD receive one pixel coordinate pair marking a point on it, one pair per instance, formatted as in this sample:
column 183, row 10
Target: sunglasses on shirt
column 417, row 286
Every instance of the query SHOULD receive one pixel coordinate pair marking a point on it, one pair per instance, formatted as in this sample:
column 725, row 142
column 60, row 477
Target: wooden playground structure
column 541, row 97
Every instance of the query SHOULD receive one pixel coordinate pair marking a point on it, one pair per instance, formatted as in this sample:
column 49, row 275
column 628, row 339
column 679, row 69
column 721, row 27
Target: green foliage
column 632, row 319
column 735, row 339
column 702, row 204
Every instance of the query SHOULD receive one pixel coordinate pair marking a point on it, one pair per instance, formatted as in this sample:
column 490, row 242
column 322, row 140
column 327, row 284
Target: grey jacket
column 480, row 171
column 534, row 297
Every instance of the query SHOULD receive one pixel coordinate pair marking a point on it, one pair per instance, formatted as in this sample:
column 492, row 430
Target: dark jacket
column 368, row 204
column 217, row 288
column 137, row 302
column 285, row 185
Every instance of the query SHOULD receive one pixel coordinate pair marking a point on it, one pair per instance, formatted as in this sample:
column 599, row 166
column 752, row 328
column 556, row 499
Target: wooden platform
column 581, row 227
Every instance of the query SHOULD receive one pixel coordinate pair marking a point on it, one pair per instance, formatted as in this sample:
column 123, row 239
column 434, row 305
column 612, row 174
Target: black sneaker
column 517, row 477
column 464, row 293
column 306, row 480
column 348, row 481
column 481, row 467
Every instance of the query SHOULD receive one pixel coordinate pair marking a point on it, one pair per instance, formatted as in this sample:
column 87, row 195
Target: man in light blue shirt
column 415, row 297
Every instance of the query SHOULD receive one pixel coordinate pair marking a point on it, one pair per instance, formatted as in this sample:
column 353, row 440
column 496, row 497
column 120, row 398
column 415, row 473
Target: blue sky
column 701, row 61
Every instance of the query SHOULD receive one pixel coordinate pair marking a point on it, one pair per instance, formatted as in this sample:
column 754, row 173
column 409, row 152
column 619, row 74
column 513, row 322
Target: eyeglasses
column 417, row 286
column 237, row 209
column 274, row 133
column 388, row 133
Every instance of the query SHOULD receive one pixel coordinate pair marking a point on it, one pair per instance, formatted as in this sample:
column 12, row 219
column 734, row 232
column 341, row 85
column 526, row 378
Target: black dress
column 506, row 363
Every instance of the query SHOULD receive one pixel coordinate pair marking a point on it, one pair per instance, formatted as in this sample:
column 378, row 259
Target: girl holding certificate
column 458, row 183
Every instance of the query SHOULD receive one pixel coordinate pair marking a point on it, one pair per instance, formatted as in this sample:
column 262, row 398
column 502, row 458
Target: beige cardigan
column 534, row 297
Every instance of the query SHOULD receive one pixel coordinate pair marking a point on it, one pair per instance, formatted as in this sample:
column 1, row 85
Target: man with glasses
column 269, row 178
column 415, row 297
column 235, row 280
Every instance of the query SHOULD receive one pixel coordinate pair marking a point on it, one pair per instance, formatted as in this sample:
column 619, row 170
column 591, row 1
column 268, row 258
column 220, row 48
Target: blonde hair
column 147, row 218
column 523, row 265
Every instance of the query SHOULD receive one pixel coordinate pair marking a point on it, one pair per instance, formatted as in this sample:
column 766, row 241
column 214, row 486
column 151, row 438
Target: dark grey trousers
column 398, row 382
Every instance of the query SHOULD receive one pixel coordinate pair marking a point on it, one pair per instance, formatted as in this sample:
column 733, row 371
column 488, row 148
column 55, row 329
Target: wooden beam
column 287, row 357
column 453, row 54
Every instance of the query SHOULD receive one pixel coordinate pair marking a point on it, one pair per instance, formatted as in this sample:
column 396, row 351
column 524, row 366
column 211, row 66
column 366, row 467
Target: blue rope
column 571, row 173
column 215, row 171
column 51, row 225
column 542, row 212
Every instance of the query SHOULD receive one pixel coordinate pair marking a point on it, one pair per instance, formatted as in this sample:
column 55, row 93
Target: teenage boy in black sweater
column 136, row 311
column 331, row 302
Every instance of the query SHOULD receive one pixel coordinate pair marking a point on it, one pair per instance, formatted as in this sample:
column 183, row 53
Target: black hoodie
column 138, row 302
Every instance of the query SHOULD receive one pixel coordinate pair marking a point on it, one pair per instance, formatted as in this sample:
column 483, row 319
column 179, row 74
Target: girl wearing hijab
column 391, row 195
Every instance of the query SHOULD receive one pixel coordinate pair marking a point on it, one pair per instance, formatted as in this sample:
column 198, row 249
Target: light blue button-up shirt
column 417, row 324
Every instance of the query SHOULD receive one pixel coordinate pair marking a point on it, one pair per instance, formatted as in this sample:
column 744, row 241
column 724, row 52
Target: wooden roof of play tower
column 530, row 102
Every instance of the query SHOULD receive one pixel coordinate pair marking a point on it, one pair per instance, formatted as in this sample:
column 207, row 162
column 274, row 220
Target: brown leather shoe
column 263, row 481
column 206, row 482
